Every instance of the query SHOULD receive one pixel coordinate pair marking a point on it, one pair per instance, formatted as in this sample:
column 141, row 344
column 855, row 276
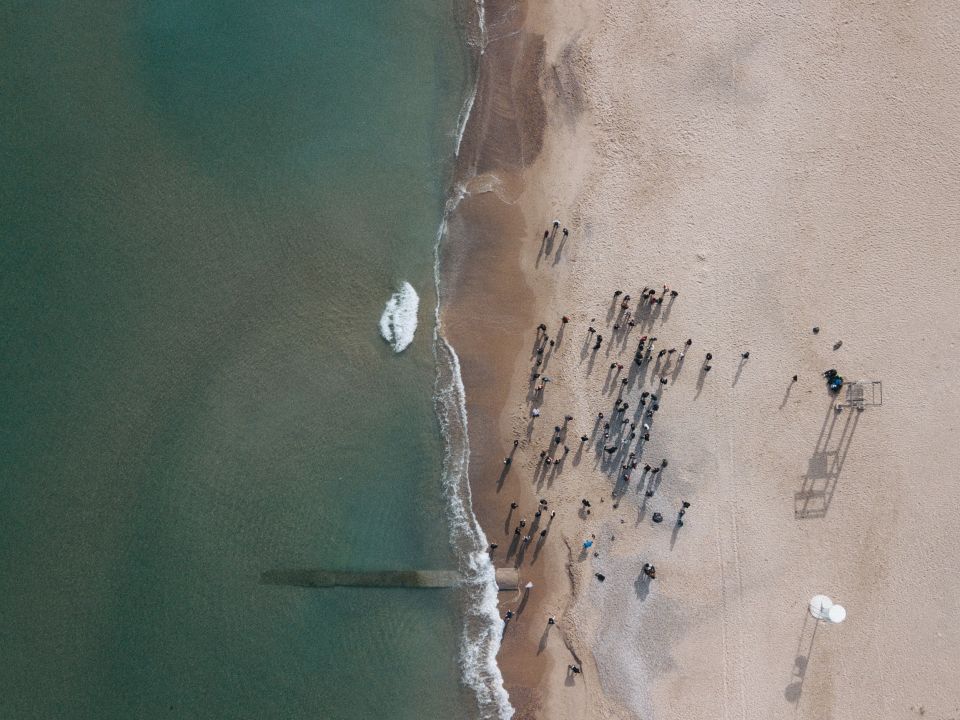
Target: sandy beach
column 781, row 168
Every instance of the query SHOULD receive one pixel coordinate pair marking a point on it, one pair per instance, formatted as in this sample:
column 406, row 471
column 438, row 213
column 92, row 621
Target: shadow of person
column 676, row 531
column 642, row 586
column 612, row 310
column 701, row 380
column 736, row 377
column 577, row 456
column 537, row 548
column 543, row 247
column 668, row 308
column 503, row 475
column 515, row 543
column 676, row 370
column 593, row 359
column 543, row 639
column 786, row 395
column 523, row 603
column 606, row 382
column 560, row 247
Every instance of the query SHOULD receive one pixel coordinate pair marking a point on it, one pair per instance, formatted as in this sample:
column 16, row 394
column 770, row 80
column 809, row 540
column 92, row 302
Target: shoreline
column 489, row 309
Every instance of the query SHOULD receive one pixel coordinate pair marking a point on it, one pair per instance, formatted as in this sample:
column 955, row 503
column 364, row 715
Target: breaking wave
column 399, row 320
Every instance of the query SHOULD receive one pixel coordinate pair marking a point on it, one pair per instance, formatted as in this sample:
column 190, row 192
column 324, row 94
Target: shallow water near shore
column 204, row 210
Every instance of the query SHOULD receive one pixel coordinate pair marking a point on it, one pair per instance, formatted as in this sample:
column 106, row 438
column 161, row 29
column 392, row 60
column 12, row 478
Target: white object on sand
column 837, row 614
column 528, row 586
column 820, row 606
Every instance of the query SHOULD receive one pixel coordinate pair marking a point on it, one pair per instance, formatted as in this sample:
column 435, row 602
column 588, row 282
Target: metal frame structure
column 863, row 394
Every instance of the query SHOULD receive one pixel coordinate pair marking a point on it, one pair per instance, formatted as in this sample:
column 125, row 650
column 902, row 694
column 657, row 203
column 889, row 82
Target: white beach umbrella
column 837, row 614
column 820, row 606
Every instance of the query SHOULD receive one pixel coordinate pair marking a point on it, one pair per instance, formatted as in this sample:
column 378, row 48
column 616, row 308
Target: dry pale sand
column 784, row 166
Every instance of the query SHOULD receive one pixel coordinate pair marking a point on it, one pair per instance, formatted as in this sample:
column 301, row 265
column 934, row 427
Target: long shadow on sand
column 819, row 483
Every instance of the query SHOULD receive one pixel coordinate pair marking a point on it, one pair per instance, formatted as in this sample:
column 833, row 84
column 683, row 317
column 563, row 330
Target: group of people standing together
column 620, row 433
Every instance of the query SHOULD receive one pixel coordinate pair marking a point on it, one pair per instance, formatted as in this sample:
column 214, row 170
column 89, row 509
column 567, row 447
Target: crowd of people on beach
column 619, row 433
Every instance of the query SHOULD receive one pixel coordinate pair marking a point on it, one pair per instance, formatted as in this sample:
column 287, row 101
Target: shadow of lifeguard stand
column 862, row 394
column 823, row 469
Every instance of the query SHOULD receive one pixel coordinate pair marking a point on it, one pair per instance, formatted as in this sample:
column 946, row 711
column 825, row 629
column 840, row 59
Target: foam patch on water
column 399, row 320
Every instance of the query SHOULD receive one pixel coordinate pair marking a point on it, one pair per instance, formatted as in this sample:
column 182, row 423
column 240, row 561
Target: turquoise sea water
column 203, row 208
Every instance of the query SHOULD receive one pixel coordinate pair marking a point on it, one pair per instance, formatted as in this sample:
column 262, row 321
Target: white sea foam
column 399, row 320
column 462, row 120
column 482, row 23
column 483, row 627
column 468, row 103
